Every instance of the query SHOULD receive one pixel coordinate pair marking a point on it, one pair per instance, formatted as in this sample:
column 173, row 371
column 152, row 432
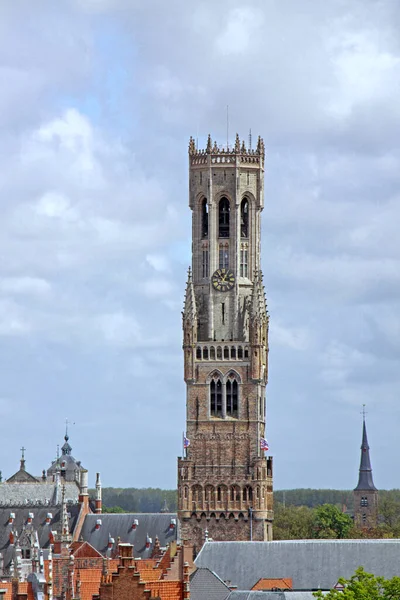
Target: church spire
column 365, row 481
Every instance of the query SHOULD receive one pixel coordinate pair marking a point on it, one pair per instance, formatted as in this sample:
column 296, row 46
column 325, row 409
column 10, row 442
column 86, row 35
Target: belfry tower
column 365, row 494
column 225, row 480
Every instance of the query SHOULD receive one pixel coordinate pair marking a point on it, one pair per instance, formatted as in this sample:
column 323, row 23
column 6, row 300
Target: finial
column 189, row 273
column 192, row 146
column 66, row 438
column 237, row 144
column 23, row 458
column 363, row 412
column 209, row 144
column 243, row 149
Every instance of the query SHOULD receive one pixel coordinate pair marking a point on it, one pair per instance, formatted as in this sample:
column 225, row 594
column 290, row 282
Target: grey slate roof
column 39, row 524
column 39, row 493
column 258, row 595
column 206, row 585
column 120, row 526
column 311, row 564
column 365, row 481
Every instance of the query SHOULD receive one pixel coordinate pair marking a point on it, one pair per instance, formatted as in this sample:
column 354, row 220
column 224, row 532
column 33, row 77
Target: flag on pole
column 186, row 442
column 264, row 444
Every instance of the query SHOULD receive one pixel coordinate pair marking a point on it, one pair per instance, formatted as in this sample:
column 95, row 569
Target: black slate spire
column 365, row 481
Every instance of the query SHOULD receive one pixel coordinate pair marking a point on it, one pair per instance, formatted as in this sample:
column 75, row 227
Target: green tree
column 292, row 522
column 364, row 586
column 330, row 522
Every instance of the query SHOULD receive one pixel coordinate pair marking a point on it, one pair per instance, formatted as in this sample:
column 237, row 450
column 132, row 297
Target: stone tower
column 365, row 494
column 225, row 480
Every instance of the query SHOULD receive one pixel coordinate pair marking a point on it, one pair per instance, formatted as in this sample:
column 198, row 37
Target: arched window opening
column 233, row 352
column 223, row 217
column 244, row 218
column 219, row 493
column 198, row 352
column 232, row 398
column 244, row 494
column 226, row 352
column 240, row 352
column 364, row 519
column 364, row 501
column 212, row 353
column 216, row 398
column 205, row 353
column 246, row 353
column 219, row 353
column 204, row 218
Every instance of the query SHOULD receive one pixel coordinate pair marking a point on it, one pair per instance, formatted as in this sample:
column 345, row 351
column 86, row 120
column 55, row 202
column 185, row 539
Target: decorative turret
column 189, row 317
column 365, row 494
column 98, row 494
column 68, row 467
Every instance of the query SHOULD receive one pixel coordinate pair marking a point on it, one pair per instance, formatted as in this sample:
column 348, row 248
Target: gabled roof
column 365, row 481
column 20, row 527
column 204, row 584
column 311, row 564
column 121, row 527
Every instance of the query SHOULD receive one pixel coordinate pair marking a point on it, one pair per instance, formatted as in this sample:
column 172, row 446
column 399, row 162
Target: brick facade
column 225, row 481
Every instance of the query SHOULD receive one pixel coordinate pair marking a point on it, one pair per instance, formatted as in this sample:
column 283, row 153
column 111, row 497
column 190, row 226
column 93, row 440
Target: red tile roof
column 269, row 584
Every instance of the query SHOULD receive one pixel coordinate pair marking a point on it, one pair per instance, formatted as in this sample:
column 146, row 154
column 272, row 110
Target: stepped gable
column 138, row 529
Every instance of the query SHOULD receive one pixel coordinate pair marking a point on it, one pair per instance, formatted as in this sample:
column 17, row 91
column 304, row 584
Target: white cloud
column 24, row 285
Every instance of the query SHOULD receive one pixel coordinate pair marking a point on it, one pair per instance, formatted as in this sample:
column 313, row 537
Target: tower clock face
column 223, row 280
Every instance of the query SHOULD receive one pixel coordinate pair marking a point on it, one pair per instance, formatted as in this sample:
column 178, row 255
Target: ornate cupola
column 365, row 494
column 66, row 465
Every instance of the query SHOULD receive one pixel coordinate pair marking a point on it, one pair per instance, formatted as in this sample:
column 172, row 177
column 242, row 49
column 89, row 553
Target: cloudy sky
column 98, row 100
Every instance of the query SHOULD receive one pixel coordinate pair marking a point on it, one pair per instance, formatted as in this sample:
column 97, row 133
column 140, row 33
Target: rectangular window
column 205, row 262
column 244, row 269
column 223, row 257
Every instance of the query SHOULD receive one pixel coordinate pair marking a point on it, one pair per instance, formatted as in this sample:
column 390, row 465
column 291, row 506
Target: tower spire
column 365, row 481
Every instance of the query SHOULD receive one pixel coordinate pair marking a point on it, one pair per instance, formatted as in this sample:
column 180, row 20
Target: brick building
column 225, row 479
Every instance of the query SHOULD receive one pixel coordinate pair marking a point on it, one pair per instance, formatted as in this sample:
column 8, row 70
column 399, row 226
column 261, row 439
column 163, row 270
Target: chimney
column 49, row 517
column 148, row 541
column 30, row 518
column 186, row 580
column 11, row 518
column 98, row 508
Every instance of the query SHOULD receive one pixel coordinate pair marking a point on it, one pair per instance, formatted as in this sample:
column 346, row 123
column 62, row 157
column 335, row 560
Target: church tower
column 365, row 494
column 225, row 479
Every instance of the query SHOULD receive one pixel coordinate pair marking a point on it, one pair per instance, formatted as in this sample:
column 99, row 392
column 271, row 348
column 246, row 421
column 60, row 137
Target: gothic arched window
column 216, row 398
column 232, row 398
column 244, row 218
column 204, row 218
column 223, row 217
